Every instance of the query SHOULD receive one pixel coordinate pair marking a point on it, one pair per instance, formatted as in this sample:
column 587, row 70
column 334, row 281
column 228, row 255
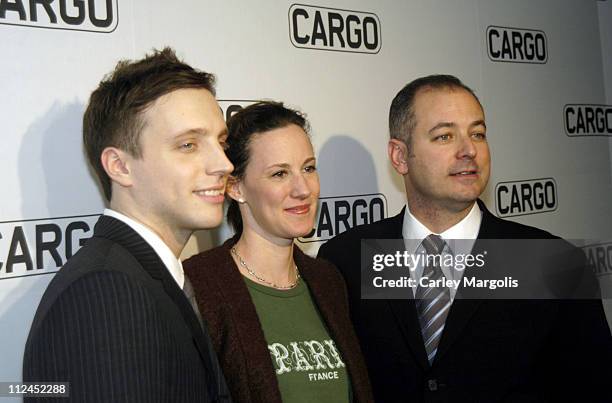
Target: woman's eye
column 279, row 174
column 187, row 146
column 310, row 169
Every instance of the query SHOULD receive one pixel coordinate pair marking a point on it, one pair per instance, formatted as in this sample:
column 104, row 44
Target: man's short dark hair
column 114, row 115
column 257, row 118
column 401, row 114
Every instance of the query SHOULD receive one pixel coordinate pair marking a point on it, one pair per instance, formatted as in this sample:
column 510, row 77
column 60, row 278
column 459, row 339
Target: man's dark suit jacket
column 114, row 323
column 491, row 350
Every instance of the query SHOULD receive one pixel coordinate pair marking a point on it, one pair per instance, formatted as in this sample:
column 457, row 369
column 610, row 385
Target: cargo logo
column 515, row 45
column 530, row 196
column 599, row 258
column 338, row 214
column 32, row 247
column 323, row 28
column 76, row 15
column 230, row 106
column 588, row 120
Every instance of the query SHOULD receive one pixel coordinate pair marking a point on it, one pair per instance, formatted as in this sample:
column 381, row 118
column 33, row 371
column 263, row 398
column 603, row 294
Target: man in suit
column 116, row 322
column 435, row 346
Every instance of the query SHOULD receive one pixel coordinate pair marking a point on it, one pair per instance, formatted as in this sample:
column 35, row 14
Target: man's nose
column 217, row 163
column 467, row 148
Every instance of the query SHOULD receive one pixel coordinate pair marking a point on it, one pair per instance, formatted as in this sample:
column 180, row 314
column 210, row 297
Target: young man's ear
column 233, row 189
column 398, row 155
column 117, row 166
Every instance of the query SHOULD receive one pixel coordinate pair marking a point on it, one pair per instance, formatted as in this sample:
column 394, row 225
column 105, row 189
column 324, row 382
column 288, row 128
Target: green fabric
column 308, row 365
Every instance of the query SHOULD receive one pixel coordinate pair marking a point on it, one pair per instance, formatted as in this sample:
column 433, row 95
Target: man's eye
column 187, row 146
column 443, row 137
column 479, row 135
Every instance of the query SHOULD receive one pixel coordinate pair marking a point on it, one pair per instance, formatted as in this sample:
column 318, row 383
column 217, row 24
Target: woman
column 278, row 319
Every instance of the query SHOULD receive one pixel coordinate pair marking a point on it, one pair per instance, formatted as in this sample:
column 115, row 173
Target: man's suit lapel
column 464, row 307
column 121, row 233
column 404, row 310
column 459, row 315
column 405, row 313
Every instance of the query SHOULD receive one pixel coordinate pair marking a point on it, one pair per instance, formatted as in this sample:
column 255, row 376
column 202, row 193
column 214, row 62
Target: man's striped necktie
column 433, row 303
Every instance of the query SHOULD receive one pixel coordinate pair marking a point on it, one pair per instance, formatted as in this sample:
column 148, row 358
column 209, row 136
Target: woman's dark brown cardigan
column 226, row 306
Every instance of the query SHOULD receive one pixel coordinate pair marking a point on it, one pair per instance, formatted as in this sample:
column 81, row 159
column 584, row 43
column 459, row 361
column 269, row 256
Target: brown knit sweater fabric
column 226, row 306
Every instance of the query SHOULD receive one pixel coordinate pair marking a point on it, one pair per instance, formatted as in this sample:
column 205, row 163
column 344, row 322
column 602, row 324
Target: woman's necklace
column 271, row 284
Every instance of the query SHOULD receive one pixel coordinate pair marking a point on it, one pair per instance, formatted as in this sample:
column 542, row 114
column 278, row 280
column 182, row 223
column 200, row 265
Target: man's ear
column 233, row 189
column 116, row 164
column 398, row 155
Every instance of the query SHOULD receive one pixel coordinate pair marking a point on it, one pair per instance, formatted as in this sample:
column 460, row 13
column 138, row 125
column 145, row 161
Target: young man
column 436, row 346
column 116, row 322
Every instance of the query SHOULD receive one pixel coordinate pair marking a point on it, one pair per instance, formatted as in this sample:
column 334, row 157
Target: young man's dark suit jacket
column 114, row 323
column 491, row 350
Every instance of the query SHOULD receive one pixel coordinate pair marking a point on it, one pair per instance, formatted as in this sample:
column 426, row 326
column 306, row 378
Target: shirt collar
column 467, row 228
column 173, row 264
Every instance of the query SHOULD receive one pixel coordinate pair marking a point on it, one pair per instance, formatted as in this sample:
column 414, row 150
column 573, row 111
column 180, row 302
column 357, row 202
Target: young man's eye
column 443, row 137
column 479, row 135
column 223, row 142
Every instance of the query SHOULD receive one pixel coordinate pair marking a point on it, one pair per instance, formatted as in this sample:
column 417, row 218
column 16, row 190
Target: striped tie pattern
column 433, row 303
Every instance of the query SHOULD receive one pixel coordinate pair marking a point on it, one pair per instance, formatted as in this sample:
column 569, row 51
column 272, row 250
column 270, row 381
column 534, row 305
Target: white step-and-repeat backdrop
column 536, row 66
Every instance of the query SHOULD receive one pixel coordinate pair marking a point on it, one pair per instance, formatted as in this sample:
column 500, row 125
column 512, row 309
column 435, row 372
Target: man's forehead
column 191, row 103
column 181, row 95
column 427, row 94
column 181, row 112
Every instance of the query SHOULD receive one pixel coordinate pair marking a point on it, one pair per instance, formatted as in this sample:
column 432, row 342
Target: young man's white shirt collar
column 174, row 265
column 413, row 232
